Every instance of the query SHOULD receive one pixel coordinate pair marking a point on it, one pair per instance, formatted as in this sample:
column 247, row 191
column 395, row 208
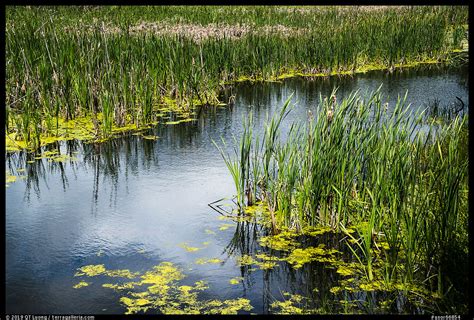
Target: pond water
column 133, row 203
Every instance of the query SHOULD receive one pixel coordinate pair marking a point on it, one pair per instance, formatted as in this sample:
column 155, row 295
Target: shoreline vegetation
column 90, row 73
column 395, row 184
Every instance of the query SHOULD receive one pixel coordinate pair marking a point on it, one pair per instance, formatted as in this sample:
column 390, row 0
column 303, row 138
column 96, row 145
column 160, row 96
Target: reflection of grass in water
column 163, row 292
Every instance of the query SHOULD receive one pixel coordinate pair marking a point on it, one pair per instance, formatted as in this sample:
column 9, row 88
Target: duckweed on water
column 165, row 294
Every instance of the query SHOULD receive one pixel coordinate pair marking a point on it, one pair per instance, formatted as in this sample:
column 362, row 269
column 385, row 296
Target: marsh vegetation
column 117, row 69
column 322, row 152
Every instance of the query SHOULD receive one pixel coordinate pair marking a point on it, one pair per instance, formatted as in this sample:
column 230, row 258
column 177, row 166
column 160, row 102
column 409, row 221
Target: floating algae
column 283, row 241
column 91, row 270
column 121, row 273
column 54, row 156
column 299, row 257
column 316, row 231
column 206, row 261
column 179, row 121
column 164, row 293
column 149, row 137
column 245, row 260
column 335, row 290
column 80, row 285
column 236, row 280
column 9, row 178
column 347, row 269
column 268, row 262
column 225, row 226
column 99, row 269
column 294, row 305
column 189, row 248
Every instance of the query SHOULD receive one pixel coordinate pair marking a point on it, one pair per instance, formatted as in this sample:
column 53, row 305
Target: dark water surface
column 132, row 203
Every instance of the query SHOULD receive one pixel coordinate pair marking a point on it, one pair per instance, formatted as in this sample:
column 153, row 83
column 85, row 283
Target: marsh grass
column 389, row 175
column 63, row 62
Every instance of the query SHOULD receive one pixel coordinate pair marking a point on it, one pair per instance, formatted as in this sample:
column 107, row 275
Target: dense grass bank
column 391, row 179
column 132, row 66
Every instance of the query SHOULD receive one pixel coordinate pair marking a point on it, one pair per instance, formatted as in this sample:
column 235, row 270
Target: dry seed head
column 330, row 114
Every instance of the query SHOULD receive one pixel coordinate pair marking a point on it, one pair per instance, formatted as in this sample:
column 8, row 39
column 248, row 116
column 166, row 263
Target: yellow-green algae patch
column 164, row 293
column 316, row 231
column 348, row 269
column 225, row 226
column 61, row 158
column 9, row 178
column 236, row 280
column 363, row 67
column 99, row 269
column 245, row 260
column 179, row 121
column 282, row 241
column 149, row 137
column 80, row 285
column 206, row 261
column 265, row 262
column 189, row 248
column 122, row 273
column 300, row 256
column 126, row 285
column 91, row 270
column 293, row 305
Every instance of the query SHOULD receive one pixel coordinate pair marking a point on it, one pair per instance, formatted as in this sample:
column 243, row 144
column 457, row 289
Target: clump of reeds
column 357, row 164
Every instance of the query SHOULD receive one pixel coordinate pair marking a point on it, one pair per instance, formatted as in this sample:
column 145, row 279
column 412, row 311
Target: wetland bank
column 353, row 203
